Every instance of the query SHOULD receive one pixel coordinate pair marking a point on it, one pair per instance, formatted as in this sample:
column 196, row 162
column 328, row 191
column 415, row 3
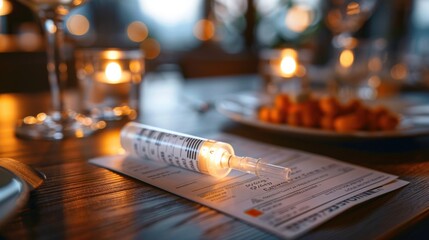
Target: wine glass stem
column 57, row 69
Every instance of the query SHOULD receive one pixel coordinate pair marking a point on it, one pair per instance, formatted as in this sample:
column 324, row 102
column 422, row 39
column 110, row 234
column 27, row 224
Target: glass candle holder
column 110, row 81
column 283, row 70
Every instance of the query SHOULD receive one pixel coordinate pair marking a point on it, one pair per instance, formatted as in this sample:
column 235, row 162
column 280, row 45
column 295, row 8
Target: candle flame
column 113, row 72
column 288, row 63
column 347, row 58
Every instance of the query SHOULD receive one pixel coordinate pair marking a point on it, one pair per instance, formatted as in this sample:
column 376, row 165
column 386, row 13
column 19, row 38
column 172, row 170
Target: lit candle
column 110, row 81
column 287, row 64
column 113, row 74
column 346, row 58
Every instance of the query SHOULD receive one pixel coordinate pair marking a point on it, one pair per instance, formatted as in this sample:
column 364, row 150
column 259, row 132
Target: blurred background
column 203, row 38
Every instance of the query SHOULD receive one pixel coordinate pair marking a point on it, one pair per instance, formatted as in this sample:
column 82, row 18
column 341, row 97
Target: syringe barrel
column 182, row 150
column 193, row 153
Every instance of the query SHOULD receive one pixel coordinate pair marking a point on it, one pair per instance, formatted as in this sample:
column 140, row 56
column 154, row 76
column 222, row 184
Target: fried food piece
column 388, row 122
column 327, row 122
column 349, row 123
column 311, row 114
column 264, row 113
column 351, row 106
column 327, row 113
column 276, row 115
column 329, row 106
column 294, row 116
column 282, row 102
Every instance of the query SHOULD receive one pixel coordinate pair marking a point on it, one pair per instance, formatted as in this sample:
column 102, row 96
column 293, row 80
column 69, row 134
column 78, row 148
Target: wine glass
column 344, row 18
column 59, row 123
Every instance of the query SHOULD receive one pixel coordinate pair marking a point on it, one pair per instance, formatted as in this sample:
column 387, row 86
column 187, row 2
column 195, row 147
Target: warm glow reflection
column 301, row 71
column 288, row 63
column 288, row 66
column 137, row 31
column 5, row 43
column 9, row 108
column 204, row 30
column 30, row 120
column 41, row 117
column 113, row 72
column 374, row 81
column 78, row 25
column 375, row 64
column 151, row 48
column 110, row 143
column 136, row 66
column 5, row 7
column 298, row 18
column 112, row 54
column 29, row 41
column 29, row 37
column 346, row 58
column 399, row 71
column 353, row 8
column 77, row 2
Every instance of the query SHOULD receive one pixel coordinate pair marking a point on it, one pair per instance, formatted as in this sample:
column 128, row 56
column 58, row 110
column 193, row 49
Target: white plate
column 13, row 194
column 242, row 108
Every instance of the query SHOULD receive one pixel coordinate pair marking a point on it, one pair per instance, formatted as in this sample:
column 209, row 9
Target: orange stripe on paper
column 253, row 212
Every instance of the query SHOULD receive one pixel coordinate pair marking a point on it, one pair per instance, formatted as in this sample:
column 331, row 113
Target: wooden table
column 80, row 200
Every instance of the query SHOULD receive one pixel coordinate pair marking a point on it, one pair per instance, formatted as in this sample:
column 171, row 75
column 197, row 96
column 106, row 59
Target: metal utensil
column 16, row 181
column 31, row 176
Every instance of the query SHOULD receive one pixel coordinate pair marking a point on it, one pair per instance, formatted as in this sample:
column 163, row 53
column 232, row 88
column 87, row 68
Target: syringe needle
column 258, row 167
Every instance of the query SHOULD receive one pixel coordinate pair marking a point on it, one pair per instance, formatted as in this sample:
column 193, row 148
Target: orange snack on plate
column 327, row 122
column 329, row 106
column 294, row 116
column 310, row 114
column 351, row 106
column 348, row 123
column 276, row 115
column 388, row 122
column 304, row 110
column 282, row 102
column 264, row 113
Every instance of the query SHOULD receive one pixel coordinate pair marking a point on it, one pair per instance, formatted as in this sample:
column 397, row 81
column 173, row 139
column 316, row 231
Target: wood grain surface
column 82, row 201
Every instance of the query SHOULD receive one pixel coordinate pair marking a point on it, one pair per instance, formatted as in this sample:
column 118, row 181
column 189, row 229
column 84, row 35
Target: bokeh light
column 347, row 58
column 6, row 43
column 113, row 72
column 204, row 30
column 169, row 12
column 151, row 48
column 137, row 31
column 399, row 71
column 289, row 62
column 298, row 18
column 29, row 38
column 353, row 8
column 78, row 25
column 5, row 7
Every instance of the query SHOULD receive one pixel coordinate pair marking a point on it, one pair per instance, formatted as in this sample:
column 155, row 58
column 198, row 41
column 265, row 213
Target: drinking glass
column 344, row 18
column 59, row 123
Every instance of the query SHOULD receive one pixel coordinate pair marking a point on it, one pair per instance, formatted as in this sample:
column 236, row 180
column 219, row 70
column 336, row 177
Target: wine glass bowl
column 59, row 123
column 344, row 18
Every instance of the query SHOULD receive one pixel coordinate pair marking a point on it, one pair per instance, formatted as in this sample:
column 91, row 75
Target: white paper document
column 319, row 187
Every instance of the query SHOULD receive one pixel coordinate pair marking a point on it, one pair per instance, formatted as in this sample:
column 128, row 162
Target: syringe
column 193, row 153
